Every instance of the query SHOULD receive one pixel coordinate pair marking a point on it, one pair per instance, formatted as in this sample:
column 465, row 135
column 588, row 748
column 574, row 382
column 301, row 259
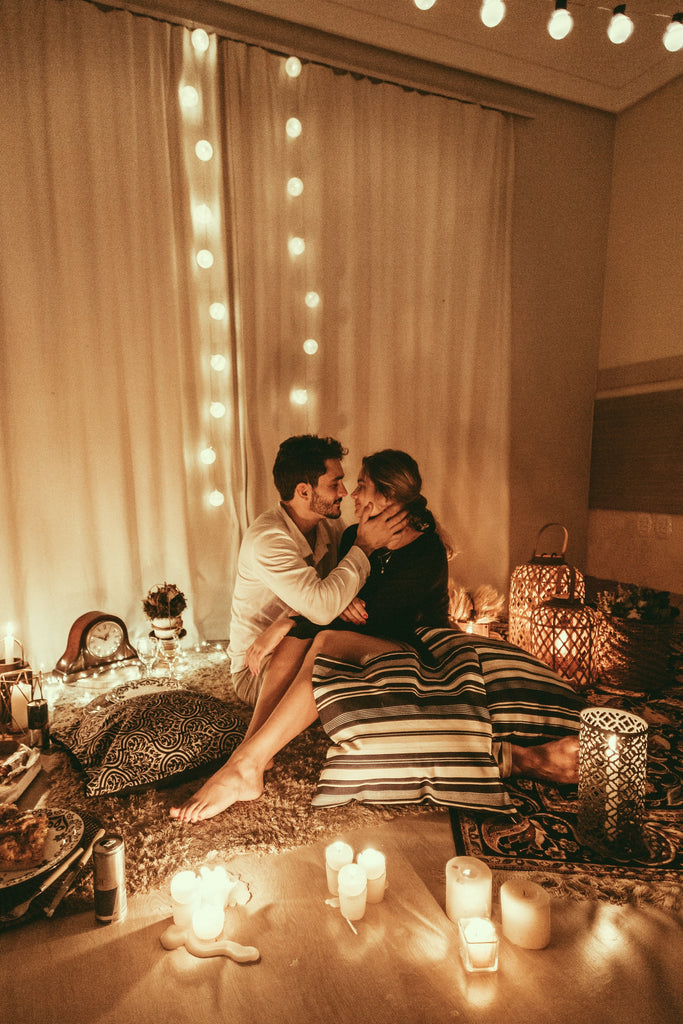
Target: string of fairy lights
column 619, row 26
column 195, row 97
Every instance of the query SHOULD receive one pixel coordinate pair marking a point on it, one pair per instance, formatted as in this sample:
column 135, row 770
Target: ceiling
column 585, row 67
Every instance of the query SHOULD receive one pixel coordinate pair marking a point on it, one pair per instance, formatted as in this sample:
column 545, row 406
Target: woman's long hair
column 396, row 475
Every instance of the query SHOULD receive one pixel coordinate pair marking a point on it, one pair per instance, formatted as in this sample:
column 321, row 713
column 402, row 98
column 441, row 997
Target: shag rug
column 544, row 845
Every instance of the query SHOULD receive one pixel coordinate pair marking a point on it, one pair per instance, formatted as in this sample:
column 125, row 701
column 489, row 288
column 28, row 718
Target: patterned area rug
column 544, row 845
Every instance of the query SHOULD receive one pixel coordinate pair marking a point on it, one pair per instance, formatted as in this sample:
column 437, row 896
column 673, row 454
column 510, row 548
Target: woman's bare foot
column 557, row 761
column 235, row 781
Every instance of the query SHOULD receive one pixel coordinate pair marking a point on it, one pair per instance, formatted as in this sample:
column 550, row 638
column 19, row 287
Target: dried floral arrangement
column 164, row 601
column 632, row 602
column 484, row 604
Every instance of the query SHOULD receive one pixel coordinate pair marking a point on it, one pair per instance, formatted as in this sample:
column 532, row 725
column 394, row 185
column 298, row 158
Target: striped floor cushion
column 405, row 731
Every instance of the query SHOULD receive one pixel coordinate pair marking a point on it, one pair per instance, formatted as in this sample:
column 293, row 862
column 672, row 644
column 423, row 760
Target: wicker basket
column 634, row 655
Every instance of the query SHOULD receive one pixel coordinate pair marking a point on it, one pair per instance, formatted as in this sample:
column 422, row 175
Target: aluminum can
column 109, row 879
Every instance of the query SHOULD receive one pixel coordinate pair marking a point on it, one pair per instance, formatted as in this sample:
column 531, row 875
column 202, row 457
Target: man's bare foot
column 230, row 784
column 557, row 761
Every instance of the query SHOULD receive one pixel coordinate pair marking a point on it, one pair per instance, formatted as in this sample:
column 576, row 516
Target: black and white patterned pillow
column 152, row 739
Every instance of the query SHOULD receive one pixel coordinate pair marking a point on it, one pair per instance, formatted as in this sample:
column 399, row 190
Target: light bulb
column 299, row 396
column 204, row 150
column 200, row 40
column 203, row 213
column 673, row 35
column 189, row 97
column 208, row 456
column 310, row 346
column 293, row 67
column 424, row 5
column 296, row 246
column 217, row 311
column 492, row 12
column 312, row 300
column 293, row 127
column 561, row 22
column 216, row 498
column 620, row 26
column 295, row 187
column 205, row 258
column 217, row 410
column 218, row 362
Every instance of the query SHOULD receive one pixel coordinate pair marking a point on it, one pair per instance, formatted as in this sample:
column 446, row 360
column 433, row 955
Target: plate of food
column 17, row 770
column 35, row 841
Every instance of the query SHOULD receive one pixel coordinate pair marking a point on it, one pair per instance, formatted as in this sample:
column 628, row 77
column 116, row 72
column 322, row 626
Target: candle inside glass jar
column 374, row 864
column 478, row 944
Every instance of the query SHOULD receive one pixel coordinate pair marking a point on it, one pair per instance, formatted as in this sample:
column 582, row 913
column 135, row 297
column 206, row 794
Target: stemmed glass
column 147, row 648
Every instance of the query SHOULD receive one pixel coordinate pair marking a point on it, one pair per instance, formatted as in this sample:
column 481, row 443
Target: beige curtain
column 405, row 215
column 105, row 342
column 102, row 368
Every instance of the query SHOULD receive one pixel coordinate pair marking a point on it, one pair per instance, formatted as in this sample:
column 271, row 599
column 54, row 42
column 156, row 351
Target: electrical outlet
column 663, row 527
column 644, row 524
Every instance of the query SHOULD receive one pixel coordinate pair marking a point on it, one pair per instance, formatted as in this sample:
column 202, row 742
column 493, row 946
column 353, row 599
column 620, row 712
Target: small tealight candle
column 375, row 866
column 208, row 921
column 353, row 888
column 186, row 896
column 337, row 855
column 525, row 913
column 478, row 944
column 468, row 888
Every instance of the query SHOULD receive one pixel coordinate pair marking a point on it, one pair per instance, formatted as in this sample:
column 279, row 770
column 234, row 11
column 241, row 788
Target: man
column 288, row 558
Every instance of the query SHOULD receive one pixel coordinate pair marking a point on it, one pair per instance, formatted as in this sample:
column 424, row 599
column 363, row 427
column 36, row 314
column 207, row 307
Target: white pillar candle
column 525, row 913
column 337, row 855
column 214, row 885
column 353, row 888
column 375, row 866
column 468, row 888
column 19, row 707
column 8, row 648
column 208, row 921
column 186, row 897
column 478, row 944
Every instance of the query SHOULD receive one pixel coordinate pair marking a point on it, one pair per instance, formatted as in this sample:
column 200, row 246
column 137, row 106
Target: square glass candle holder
column 478, row 944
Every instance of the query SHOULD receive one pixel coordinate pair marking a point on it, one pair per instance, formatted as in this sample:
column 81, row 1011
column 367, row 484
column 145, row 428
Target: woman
column 407, row 588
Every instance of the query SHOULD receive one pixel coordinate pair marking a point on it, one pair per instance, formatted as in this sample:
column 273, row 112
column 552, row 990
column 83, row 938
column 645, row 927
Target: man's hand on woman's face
column 378, row 531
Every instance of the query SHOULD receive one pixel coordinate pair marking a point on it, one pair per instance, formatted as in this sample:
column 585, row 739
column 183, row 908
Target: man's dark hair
column 301, row 459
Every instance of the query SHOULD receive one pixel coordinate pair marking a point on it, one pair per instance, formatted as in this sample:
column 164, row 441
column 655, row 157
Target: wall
column 641, row 348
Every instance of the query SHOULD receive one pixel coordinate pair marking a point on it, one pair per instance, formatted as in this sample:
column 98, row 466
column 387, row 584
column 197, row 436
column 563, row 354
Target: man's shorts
column 246, row 685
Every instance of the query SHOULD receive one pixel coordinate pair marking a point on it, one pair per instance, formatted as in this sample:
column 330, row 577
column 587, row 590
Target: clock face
column 104, row 638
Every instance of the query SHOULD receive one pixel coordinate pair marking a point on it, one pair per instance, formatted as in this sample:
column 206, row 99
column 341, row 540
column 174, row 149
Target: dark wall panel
column 637, row 455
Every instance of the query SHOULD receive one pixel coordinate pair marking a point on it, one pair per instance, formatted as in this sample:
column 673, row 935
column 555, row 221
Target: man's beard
column 328, row 509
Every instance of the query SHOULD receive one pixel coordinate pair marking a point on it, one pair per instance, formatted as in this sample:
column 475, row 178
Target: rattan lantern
column 563, row 634
column 612, row 778
column 545, row 576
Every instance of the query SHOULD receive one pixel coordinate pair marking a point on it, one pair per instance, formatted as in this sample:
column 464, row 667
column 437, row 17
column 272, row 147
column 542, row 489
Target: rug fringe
column 664, row 895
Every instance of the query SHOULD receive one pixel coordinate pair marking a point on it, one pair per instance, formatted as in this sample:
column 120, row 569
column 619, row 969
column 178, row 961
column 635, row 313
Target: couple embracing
column 305, row 587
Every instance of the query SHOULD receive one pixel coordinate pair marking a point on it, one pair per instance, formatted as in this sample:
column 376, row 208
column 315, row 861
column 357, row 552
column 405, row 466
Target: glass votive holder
column 478, row 944
column 353, row 890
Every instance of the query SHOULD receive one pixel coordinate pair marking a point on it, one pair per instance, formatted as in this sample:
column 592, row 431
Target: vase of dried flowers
column 635, row 633
column 164, row 606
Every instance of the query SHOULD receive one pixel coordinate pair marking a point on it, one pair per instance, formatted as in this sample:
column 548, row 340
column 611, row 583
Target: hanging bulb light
column 204, row 150
column 620, row 26
column 216, row 498
column 492, row 12
column 298, row 396
column 296, row 246
column 208, row 456
column 200, row 40
column 673, row 36
column 293, row 67
column 218, row 362
column 295, row 187
column 310, row 346
column 293, row 127
column 189, row 97
column 312, row 300
column 561, row 22
column 424, row 5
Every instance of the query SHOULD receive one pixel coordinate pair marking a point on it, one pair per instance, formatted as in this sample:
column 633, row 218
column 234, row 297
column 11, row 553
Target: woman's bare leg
column 285, row 662
column 241, row 777
column 555, row 761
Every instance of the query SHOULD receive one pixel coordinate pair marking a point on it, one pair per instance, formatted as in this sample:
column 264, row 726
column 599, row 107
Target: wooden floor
column 604, row 963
